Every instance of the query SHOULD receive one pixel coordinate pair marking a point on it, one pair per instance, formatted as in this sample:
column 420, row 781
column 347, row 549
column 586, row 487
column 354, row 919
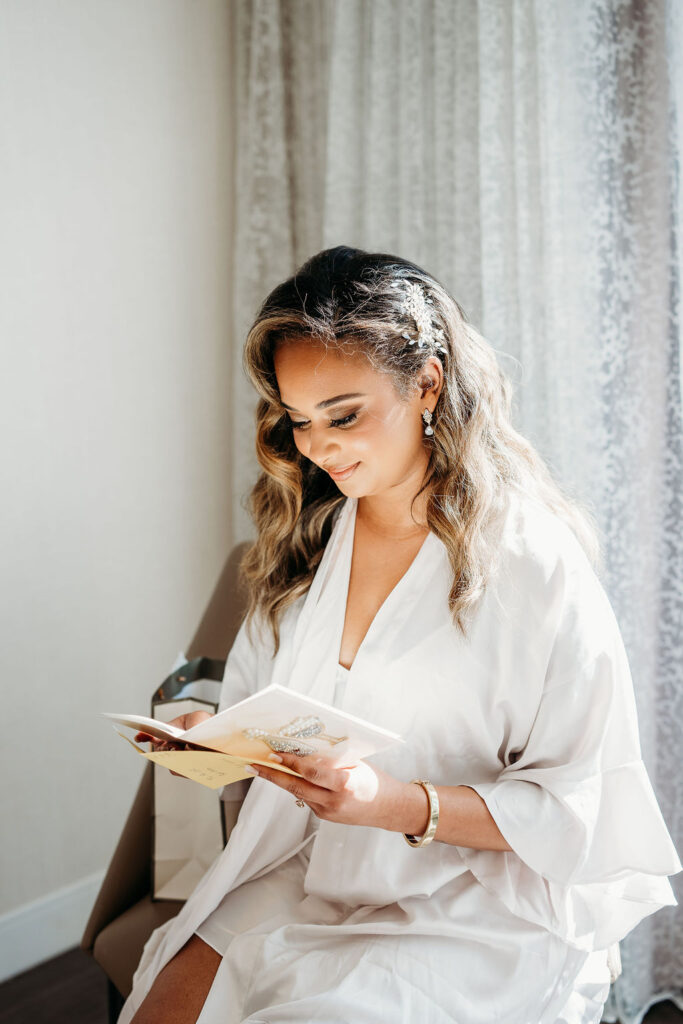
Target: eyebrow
column 330, row 401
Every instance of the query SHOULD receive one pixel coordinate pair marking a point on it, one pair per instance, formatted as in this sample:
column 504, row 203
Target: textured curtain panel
column 527, row 154
column 281, row 56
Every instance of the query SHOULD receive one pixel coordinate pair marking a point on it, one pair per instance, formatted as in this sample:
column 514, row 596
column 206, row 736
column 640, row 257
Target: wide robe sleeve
column 247, row 669
column 590, row 851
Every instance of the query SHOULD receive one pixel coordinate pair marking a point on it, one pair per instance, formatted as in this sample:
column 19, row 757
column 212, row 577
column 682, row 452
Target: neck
column 393, row 513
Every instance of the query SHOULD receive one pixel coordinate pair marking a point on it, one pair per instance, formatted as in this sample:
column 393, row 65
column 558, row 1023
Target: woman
column 417, row 566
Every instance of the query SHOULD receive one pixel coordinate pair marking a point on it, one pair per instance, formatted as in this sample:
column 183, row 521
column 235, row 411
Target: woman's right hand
column 181, row 722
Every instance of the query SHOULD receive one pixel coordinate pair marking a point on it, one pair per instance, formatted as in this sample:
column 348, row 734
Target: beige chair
column 124, row 914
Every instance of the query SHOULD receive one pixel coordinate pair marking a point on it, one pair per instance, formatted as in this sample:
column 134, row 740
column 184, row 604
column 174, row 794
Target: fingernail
column 274, row 757
column 250, row 770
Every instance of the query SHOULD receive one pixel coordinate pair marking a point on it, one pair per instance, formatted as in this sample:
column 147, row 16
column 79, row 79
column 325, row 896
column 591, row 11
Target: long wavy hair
column 345, row 298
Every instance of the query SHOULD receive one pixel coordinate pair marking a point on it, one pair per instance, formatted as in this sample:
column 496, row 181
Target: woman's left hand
column 359, row 794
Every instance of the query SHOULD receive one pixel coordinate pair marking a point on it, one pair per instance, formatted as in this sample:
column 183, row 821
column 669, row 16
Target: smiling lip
column 342, row 474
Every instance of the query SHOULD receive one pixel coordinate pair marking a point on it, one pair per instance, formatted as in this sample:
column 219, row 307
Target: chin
column 356, row 488
column 348, row 487
column 351, row 488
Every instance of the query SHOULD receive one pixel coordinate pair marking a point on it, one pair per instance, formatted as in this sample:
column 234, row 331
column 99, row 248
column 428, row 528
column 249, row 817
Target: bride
column 416, row 565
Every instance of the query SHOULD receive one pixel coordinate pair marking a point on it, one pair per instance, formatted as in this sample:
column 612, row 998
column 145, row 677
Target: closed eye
column 345, row 421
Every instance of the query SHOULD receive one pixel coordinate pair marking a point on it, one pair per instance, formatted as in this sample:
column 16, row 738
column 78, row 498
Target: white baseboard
column 46, row 927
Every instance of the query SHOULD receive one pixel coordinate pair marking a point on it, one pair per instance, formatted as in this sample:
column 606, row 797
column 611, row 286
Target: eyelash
column 342, row 423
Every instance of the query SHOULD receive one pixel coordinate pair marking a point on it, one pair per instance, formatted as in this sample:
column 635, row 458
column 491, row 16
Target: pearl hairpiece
column 416, row 305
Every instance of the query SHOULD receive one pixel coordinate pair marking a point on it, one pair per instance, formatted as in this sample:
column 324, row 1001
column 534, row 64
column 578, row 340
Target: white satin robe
column 536, row 712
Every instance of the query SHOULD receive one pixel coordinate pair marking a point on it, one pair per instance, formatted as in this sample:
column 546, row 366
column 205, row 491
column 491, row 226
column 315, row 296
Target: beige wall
column 115, row 248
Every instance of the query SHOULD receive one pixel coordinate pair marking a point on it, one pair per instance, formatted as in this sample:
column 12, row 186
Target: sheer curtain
column 527, row 153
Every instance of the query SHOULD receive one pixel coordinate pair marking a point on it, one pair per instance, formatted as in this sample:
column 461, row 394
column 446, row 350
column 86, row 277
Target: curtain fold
column 528, row 155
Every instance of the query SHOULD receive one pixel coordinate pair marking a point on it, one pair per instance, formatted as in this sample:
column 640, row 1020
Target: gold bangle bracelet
column 433, row 815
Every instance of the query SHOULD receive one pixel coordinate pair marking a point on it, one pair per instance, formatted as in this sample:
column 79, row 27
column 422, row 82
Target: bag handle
column 190, row 672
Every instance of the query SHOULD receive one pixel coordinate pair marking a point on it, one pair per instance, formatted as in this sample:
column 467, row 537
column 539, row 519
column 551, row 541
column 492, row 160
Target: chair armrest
column 128, row 876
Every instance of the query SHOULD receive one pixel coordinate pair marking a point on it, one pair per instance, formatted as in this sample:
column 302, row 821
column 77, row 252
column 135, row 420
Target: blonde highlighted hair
column 345, row 298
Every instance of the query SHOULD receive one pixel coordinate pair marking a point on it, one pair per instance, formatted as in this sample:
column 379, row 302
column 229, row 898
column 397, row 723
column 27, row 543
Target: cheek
column 395, row 433
column 368, row 441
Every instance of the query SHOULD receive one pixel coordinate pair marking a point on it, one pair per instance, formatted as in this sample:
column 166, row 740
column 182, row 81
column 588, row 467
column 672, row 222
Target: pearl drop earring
column 427, row 417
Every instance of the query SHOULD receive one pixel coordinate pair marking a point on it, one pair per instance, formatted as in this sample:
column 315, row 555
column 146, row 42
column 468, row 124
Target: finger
column 316, row 770
column 299, row 788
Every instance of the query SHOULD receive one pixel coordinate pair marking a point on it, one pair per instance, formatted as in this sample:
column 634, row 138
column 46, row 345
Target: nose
column 322, row 446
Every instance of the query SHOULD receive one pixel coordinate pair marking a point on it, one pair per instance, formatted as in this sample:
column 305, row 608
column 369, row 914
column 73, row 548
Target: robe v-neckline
column 345, row 581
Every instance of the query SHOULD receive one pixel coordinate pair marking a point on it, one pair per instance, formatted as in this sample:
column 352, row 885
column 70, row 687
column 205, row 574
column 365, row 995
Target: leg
column 180, row 989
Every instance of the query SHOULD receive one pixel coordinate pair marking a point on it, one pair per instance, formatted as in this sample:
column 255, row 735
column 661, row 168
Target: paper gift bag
column 188, row 824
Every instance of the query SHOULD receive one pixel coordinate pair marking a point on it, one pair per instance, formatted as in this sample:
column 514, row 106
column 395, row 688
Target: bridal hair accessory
column 433, row 815
column 417, row 305
column 427, row 417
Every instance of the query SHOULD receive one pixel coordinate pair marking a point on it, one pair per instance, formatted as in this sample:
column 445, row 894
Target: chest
column 377, row 566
